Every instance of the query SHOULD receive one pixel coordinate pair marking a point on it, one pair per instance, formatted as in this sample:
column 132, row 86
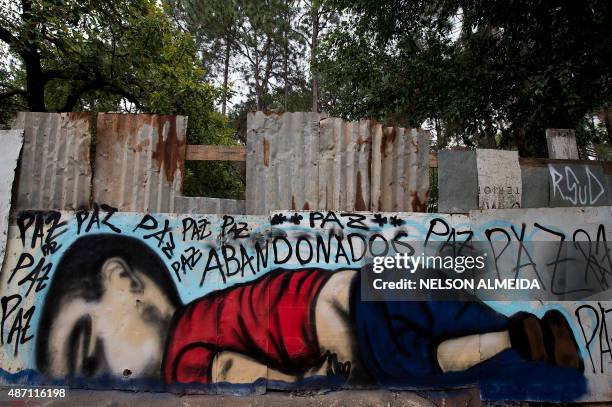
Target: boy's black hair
column 79, row 275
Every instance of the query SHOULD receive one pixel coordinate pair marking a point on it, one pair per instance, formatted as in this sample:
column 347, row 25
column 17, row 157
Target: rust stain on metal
column 169, row 151
column 388, row 136
column 78, row 115
column 346, row 128
column 266, row 152
column 360, row 204
column 306, row 206
column 361, row 142
column 270, row 113
column 142, row 146
column 139, row 161
column 417, row 204
column 292, row 202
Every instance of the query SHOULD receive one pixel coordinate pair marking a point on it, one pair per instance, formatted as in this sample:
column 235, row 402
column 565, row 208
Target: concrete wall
column 540, row 182
column 12, row 141
column 232, row 303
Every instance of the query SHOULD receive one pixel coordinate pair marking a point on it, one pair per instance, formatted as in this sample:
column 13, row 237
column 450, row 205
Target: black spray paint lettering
column 330, row 217
column 196, row 229
column 15, row 332
column 598, row 258
column 233, row 229
column 229, row 261
column 523, row 253
column 597, row 264
column 439, row 227
column 93, row 219
column 596, row 336
column 164, row 236
column 36, row 276
column 47, row 227
column 187, row 261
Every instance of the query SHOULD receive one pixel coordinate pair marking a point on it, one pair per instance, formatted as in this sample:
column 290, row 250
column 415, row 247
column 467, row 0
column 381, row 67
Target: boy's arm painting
column 157, row 301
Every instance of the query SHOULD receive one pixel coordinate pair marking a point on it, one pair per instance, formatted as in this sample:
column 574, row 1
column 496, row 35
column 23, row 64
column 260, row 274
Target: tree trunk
column 314, row 40
column 286, row 72
column 35, row 83
column 520, row 142
column 315, row 93
column 257, row 87
column 225, row 75
column 268, row 58
column 608, row 123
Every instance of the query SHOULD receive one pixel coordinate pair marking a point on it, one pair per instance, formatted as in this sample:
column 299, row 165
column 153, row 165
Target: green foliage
column 592, row 139
column 297, row 100
column 212, row 178
column 487, row 72
column 121, row 55
column 264, row 42
column 11, row 82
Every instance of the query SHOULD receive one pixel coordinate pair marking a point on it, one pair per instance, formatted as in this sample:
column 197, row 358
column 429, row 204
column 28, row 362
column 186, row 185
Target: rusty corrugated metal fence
column 282, row 162
column 305, row 161
column 138, row 165
column 55, row 166
column 400, row 169
column 218, row 206
column 140, row 161
column 300, row 161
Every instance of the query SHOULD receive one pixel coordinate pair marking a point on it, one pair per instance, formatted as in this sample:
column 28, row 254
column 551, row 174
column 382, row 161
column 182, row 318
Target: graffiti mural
column 107, row 299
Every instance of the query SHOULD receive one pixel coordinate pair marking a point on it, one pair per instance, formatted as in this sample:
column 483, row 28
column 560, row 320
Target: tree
column 491, row 73
column 270, row 42
column 214, row 25
column 68, row 49
column 121, row 55
column 316, row 19
column 298, row 100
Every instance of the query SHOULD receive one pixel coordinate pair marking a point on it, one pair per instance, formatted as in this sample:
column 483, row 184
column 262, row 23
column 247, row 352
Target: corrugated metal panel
column 301, row 161
column 344, row 164
column 55, row 167
column 140, row 161
column 400, row 169
column 11, row 140
column 282, row 154
column 218, row 206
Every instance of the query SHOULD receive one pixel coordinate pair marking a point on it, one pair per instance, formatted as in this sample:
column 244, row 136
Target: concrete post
column 562, row 144
column 499, row 179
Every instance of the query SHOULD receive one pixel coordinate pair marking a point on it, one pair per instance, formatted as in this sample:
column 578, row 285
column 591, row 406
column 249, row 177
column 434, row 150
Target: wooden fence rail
column 238, row 153
column 215, row 153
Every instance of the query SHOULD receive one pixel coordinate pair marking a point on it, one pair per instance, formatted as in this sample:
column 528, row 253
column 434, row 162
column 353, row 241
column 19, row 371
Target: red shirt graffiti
column 270, row 320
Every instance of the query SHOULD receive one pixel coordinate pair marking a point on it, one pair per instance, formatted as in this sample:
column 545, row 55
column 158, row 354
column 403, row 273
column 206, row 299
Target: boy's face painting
column 122, row 333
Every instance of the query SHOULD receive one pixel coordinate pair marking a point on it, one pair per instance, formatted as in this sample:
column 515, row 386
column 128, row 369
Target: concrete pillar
column 499, row 179
column 562, row 144
column 478, row 179
column 457, row 181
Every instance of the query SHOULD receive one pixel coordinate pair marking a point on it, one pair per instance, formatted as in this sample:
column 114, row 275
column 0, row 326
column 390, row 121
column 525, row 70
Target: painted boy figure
column 112, row 309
